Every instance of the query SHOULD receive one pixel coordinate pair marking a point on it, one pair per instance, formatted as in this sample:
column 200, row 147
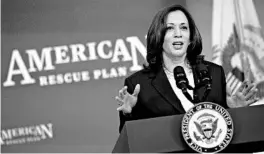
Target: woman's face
column 177, row 36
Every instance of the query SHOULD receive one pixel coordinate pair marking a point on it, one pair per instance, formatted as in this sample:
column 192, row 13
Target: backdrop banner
column 62, row 64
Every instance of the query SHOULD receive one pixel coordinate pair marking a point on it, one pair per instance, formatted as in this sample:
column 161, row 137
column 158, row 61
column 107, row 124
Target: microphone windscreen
column 180, row 77
column 201, row 67
column 178, row 70
column 203, row 75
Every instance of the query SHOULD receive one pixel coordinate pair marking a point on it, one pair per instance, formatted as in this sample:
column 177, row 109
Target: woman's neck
column 170, row 63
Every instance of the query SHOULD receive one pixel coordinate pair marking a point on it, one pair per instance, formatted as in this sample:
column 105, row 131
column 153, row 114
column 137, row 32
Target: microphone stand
column 187, row 95
column 208, row 88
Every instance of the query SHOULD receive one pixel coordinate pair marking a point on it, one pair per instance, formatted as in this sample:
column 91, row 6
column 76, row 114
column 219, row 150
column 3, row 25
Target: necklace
column 189, row 70
column 167, row 70
column 168, row 73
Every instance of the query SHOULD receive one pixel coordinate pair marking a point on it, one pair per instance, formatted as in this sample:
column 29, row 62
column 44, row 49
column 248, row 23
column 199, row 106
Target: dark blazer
column 157, row 98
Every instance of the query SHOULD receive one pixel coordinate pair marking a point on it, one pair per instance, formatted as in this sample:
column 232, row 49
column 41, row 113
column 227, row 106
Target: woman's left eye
column 184, row 27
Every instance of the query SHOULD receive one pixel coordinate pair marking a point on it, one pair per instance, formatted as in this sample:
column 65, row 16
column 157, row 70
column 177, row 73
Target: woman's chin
column 179, row 53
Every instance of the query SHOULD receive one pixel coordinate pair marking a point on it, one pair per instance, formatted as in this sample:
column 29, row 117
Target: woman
column 173, row 40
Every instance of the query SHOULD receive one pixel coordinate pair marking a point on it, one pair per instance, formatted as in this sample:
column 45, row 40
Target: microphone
column 203, row 75
column 182, row 81
column 205, row 79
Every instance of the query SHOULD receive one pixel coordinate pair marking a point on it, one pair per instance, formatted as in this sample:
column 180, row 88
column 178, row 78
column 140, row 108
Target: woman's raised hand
column 244, row 96
column 127, row 101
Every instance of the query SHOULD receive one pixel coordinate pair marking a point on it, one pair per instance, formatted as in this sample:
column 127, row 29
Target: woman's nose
column 177, row 32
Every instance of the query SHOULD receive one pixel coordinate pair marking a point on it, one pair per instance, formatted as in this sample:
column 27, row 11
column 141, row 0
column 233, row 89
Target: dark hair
column 156, row 33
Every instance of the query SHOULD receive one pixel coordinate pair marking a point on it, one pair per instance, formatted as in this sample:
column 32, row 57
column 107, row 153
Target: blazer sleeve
column 224, row 94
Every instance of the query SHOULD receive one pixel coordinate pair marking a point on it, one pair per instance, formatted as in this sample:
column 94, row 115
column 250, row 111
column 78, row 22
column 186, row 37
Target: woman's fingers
column 136, row 90
column 248, row 88
column 125, row 99
column 120, row 102
column 121, row 95
column 243, row 86
column 125, row 90
column 120, row 108
column 251, row 94
column 122, row 92
column 124, row 109
column 252, row 100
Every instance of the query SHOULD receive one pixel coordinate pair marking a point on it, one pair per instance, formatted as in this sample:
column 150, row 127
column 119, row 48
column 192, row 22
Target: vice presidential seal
column 207, row 128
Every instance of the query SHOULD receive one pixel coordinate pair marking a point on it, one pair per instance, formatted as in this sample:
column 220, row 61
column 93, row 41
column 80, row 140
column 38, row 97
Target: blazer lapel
column 162, row 85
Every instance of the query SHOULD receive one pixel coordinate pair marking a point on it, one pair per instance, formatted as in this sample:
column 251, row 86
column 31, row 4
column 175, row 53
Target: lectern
column 163, row 134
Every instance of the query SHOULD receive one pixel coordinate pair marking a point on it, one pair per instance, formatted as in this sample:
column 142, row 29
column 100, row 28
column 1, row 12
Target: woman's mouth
column 177, row 45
